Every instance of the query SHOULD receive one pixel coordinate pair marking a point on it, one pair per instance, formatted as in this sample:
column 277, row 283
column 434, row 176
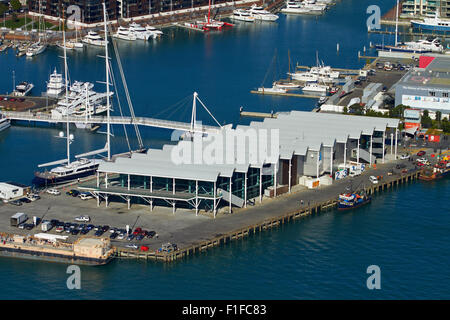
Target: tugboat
column 439, row 171
column 349, row 201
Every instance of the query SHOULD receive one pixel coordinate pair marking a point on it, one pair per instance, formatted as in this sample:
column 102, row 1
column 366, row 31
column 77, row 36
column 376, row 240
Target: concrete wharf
column 274, row 213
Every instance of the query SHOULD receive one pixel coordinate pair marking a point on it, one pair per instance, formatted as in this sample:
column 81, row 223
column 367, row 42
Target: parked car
column 130, row 237
column 86, row 196
column 33, row 196
column 59, row 229
column 25, row 200
column 98, row 233
column 54, row 192
column 133, row 246
column 405, row 156
column 113, row 235
column 83, row 218
column 421, row 153
column 16, row 202
column 139, row 237
column 373, row 179
column 73, row 193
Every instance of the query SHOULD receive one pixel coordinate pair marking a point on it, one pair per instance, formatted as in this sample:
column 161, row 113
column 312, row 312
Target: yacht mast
column 108, row 125
column 67, row 110
column 396, row 26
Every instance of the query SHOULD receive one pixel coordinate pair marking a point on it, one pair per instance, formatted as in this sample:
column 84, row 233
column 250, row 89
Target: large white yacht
column 155, row 33
column 139, row 31
column 94, row 38
column 430, row 43
column 242, row 15
column 260, row 14
column 4, row 123
column 125, row 34
column 294, row 7
column 55, row 86
column 36, row 48
column 315, row 88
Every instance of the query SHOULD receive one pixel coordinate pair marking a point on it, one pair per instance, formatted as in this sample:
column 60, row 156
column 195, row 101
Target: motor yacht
column 242, row 15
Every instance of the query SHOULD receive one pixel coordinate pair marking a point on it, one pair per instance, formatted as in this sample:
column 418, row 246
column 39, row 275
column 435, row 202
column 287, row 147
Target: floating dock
column 281, row 94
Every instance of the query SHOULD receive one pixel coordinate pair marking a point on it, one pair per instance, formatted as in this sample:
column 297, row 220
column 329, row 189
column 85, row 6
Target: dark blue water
column 406, row 233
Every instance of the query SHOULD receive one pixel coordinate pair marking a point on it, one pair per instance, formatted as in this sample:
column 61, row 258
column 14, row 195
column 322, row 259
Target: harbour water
column 405, row 232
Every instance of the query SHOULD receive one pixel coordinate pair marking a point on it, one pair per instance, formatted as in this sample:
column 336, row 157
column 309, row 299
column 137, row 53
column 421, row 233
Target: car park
column 54, row 192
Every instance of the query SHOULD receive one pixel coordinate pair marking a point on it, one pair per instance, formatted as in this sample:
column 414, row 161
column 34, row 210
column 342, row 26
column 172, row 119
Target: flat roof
column 436, row 74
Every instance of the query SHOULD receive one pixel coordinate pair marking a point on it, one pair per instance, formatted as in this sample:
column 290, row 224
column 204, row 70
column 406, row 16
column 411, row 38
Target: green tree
column 426, row 120
column 345, row 110
column 438, row 116
column 15, row 5
column 3, row 8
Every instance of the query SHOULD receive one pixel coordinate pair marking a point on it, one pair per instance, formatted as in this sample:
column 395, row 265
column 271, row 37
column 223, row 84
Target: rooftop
column 296, row 132
column 436, row 74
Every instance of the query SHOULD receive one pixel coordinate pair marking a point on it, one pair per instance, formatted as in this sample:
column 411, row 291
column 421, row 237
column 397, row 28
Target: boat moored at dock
column 260, row 14
column 4, row 123
column 440, row 170
column 93, row 38
column 349, row 201
column 23, row 88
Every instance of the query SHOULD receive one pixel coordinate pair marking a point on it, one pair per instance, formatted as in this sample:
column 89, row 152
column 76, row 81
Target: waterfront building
column 427, row 87
column 245, row 163
column 92, row 9
column 425, row 8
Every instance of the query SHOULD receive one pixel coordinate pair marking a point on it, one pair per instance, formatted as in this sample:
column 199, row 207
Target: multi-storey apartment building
column 425, row 8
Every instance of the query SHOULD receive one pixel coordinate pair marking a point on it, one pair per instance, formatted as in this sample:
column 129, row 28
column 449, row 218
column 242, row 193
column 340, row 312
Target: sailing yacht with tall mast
column 82, row 167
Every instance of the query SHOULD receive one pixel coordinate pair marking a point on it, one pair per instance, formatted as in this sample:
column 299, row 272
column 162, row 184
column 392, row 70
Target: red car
column 420, row 164
column 144, row 248
column 137, row 231
column 421, row 153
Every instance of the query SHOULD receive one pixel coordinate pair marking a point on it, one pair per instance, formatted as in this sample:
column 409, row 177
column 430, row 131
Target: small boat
column 440, row 170
column 275, row 89
column 36, row 48
column 23, row 88
column 321, row 101
column 349, row 201
column 4, row 123
column 287, row 85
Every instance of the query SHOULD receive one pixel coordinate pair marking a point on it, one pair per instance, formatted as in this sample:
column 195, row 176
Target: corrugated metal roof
column 298, row 131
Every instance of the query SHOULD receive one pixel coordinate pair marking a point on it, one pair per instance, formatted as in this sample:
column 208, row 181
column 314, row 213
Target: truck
column 18, row 219
column 46, row 226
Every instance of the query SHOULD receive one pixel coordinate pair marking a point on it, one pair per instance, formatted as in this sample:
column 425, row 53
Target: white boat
column 242, row 15
column 4, row 123
column 432, row 24
column 125, row 34
column 55, row 86
column 287, row 85
column 324, row 71
column 139, row 31
column 295, row 8
column 36, row 48
column 93, row 38
column 432, row 44
column 315, row 87
column 153, row 31
column 260, row 14
column 275, row 89
column 23, row 88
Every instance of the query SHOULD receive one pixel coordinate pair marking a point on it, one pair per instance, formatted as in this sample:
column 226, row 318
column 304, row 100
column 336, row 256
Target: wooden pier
column 262, row 226
column 251, row 114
